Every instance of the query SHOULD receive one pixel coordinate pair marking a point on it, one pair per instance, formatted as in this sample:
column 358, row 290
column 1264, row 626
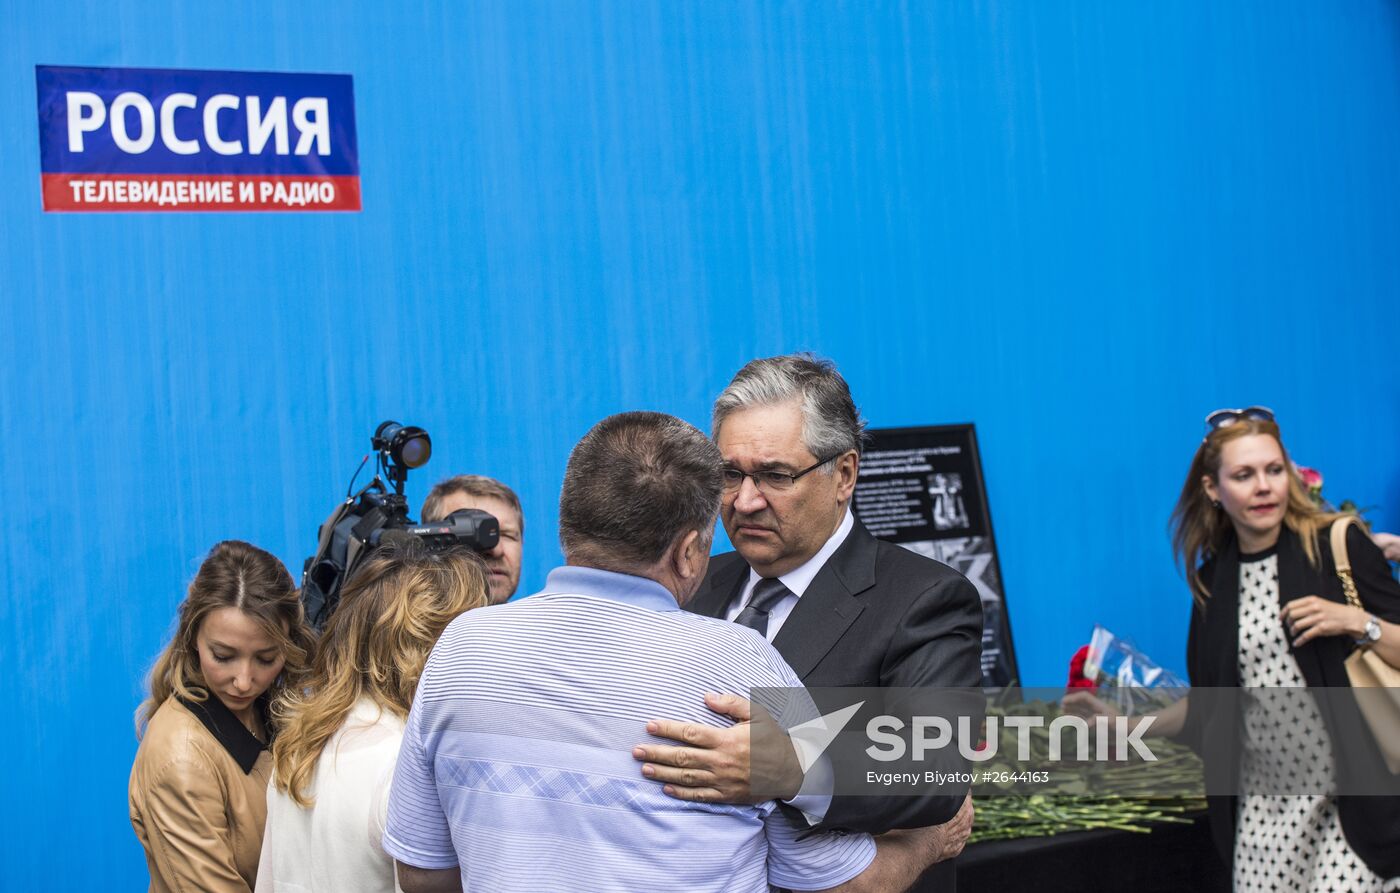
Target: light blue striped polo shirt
column 517, row 762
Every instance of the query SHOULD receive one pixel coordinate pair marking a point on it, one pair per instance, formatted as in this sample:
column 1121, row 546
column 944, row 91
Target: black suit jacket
column 876, row 615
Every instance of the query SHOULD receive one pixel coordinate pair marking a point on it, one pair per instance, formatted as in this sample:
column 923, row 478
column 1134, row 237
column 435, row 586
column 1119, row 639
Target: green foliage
column 1132, row 795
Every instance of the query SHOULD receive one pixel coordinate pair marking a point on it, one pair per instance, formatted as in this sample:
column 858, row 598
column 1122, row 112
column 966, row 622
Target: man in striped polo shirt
column 515, row 771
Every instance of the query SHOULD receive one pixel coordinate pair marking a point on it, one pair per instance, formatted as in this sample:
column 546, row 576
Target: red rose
column 1312, row 478
column 1077, row 679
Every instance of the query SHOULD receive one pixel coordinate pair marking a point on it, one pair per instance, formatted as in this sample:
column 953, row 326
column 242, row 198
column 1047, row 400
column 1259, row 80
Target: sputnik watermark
column 938, row 742
column 1111, row 742
column 929, row 742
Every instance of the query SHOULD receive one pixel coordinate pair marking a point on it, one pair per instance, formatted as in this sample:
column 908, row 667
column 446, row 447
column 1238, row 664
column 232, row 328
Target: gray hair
column 634, row 483
column 831, row 424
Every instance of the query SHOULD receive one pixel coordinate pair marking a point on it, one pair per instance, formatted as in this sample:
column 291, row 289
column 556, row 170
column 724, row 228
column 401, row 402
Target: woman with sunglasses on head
column 1269, row 613
column 198, row 788
column 334, row 758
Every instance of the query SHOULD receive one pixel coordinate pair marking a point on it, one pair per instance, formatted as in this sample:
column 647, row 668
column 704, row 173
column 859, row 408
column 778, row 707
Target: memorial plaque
column 922, row 488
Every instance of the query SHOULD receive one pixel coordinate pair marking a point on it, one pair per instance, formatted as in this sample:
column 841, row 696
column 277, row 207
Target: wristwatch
column 1372, row 634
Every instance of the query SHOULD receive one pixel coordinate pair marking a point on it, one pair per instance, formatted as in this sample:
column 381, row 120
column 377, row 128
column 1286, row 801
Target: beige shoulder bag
column 1365, row 669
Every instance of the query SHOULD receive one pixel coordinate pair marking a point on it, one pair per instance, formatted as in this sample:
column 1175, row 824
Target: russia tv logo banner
column 154, row 139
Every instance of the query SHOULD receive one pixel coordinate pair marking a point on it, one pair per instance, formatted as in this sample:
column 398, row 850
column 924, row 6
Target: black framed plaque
column 922, row 488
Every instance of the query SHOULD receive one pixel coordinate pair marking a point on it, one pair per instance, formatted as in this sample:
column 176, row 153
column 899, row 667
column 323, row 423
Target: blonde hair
column 375, row 644
column 1201, row 528
column 234, row 575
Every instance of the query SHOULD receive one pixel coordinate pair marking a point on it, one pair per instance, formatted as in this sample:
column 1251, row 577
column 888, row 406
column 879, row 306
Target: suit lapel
column 829, row 606
column 722, row 587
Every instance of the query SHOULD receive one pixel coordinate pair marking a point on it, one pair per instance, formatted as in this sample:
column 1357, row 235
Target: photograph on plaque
column 922, row 488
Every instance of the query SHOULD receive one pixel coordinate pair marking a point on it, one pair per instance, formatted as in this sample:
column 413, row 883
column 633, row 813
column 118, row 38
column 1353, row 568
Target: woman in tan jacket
column 199, row 784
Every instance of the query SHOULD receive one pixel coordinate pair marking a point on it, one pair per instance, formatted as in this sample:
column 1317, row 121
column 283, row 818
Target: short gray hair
column 634, row 483
column 831, row 424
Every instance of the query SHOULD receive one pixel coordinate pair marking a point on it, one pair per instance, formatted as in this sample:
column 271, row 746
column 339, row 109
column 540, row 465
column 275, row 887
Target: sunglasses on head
column 1224, row 418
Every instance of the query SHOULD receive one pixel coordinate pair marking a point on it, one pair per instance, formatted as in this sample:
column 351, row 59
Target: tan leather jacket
column 198, row 798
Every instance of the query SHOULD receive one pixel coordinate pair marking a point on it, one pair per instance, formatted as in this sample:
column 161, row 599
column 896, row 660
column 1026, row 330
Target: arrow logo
column 811, row 738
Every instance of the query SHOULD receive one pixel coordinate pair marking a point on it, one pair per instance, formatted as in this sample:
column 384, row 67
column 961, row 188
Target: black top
column 1246, row 557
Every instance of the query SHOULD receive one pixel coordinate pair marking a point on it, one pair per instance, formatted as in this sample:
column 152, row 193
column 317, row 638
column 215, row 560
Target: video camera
column 374, row 517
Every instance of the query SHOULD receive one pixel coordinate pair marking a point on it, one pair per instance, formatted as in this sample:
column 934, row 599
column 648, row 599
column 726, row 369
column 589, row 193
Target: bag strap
column 1342, row 562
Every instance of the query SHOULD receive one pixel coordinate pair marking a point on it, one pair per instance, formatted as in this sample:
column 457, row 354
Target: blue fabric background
column 1081, row 226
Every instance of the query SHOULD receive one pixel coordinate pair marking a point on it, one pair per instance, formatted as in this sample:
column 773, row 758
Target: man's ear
column 685, row 554
column 846, row 471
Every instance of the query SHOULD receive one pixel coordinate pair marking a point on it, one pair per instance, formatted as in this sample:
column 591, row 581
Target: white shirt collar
column 799, row 578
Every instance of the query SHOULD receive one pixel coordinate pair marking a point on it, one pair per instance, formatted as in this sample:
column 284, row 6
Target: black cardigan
column 1371, row 824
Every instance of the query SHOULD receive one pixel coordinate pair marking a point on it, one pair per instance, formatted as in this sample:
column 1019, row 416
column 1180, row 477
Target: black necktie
column 767, row 593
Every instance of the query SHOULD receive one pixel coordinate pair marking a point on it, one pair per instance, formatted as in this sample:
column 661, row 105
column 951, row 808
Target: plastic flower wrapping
column 1124, row 676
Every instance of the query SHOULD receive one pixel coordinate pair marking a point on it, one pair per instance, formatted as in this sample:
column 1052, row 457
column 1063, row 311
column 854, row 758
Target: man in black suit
column 843, row 608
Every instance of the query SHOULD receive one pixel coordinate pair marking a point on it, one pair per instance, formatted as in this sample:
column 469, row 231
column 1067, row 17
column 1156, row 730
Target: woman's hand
column 1311, row 617
column 1086, row 705
column 1165, row 723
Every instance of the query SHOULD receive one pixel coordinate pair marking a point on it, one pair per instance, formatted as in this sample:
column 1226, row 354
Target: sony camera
column 376, row 516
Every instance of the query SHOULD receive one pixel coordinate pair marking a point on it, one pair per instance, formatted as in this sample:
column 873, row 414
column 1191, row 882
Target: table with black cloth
column 1171, row 858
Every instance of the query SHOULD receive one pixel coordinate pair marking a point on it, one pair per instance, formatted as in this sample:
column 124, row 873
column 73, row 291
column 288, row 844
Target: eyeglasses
column 1224, row 418
column 768, row 481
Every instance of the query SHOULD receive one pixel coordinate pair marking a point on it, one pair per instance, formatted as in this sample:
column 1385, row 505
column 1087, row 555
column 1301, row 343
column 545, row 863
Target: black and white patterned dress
column 1285, row 843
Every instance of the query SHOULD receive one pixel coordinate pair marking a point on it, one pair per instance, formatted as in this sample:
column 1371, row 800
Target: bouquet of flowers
column 1312, row 482
column 1122, row 675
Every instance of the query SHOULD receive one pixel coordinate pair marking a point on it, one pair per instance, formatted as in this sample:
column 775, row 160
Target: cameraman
column 473, row 491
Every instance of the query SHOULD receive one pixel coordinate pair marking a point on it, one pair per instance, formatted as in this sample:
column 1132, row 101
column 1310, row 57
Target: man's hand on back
column 719, row 765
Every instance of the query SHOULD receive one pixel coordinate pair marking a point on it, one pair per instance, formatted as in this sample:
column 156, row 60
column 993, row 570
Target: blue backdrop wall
column 1080, row 226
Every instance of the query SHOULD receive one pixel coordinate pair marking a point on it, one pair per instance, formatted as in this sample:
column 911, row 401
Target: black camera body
column 375, row 516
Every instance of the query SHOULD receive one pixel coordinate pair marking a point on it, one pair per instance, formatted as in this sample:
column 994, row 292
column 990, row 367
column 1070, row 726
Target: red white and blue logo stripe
column 151, row 139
